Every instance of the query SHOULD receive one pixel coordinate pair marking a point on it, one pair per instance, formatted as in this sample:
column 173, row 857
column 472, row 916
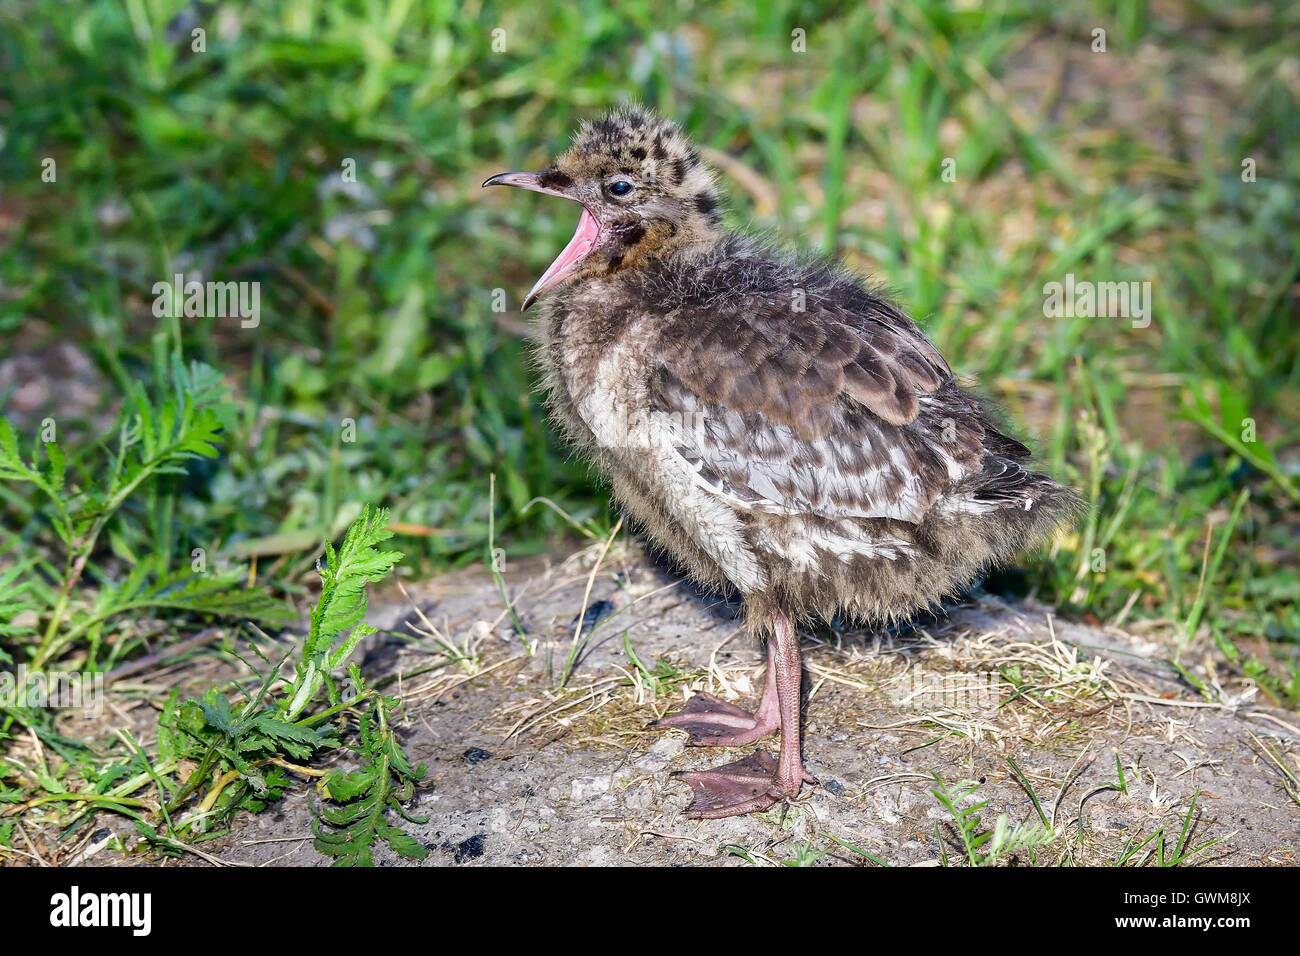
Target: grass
column 1158, row 853
column 986, row 847
column 214, row 757
column 380, row 371
column 967, row 155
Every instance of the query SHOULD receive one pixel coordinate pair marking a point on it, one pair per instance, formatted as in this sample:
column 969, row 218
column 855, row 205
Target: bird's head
column 643, row 189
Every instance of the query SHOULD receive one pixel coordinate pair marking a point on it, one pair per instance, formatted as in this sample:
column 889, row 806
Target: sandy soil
column 522, row 771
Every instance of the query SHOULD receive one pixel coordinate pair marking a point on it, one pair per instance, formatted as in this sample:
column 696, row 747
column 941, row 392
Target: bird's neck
column 640, row 243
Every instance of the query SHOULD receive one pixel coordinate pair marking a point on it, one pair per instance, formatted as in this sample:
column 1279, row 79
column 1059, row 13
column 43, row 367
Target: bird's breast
column 603, row 372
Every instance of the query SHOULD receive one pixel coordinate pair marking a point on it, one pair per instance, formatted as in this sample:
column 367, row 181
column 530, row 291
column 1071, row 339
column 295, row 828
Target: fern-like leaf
column 337, row 620
column 349, row 830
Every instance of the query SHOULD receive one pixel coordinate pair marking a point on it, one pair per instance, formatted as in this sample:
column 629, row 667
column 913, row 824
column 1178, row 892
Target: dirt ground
column 522, row 771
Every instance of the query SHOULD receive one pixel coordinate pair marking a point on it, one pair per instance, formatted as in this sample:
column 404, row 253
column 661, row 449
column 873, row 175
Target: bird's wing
column 828, row 412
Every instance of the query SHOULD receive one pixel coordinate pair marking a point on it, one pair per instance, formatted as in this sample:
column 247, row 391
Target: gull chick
column 768, row 420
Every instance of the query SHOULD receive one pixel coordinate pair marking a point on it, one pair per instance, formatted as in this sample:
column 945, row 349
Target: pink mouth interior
column 584, row 239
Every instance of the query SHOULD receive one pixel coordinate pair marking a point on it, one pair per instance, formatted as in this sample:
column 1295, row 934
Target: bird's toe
column 745, row 786
column 712, row 722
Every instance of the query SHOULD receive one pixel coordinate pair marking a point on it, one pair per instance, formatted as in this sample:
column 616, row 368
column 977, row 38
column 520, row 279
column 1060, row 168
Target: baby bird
column 768, row 420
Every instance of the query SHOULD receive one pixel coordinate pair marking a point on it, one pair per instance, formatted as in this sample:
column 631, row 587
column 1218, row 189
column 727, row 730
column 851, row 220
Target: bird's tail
column 999, row 512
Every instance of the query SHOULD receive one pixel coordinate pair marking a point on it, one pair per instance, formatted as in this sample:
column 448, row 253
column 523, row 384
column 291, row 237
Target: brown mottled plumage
column 768, row 420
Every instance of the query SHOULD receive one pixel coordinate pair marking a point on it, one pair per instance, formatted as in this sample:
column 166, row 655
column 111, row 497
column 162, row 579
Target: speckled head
column 644, row 190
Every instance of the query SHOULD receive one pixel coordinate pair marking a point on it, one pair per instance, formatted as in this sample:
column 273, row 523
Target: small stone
column 471, row 849
column 585, row 788
column 639, row 798
column 660, row 754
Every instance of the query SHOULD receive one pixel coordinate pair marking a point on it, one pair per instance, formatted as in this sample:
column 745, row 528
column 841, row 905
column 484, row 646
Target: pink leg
column 791, row 775
column 715, row 723
column 758, row 782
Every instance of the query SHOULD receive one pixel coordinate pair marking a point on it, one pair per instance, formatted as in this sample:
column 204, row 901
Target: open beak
column 583, row 241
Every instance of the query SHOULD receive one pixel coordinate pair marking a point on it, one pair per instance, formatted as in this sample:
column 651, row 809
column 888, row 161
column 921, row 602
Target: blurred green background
column 377, row 295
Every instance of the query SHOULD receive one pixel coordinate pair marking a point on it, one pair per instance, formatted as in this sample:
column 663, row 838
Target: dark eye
column 620, row 187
